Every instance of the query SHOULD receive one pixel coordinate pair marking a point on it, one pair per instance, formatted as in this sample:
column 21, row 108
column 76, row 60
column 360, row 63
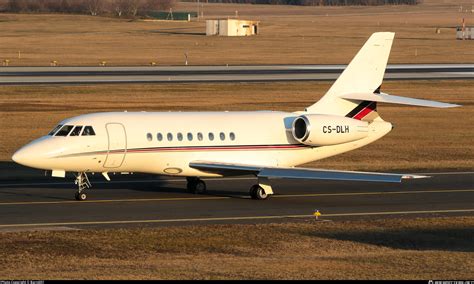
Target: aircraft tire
column 80, row 196
column 200, row 187
column 260, row 194
column 257, row 192
column 252, row 191
column 196, row 186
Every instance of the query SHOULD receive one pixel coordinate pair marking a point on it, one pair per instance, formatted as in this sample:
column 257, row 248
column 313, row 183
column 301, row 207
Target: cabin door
column 117, row 140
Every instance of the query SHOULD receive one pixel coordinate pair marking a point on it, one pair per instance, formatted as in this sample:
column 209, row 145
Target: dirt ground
column 423, row 138
column 424, row 248
column 288, row 35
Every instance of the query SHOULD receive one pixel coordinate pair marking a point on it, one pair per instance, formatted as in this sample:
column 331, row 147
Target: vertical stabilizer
column 363, row 75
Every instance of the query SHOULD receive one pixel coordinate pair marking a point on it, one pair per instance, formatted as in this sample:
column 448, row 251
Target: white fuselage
column 122, row 142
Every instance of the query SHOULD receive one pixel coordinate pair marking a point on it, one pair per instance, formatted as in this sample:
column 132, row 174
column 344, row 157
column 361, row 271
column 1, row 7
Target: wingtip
column 453, row 105
column 414, row 176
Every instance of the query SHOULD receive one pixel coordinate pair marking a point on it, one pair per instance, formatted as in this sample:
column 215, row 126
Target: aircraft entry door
column 117, row 140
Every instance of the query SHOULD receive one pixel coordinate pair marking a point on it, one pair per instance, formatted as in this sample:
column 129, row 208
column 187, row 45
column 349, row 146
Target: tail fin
column 357, row 90
column 363, row 75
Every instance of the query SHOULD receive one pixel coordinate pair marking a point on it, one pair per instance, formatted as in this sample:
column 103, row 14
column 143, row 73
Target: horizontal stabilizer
column 297, row 173
column 386, row 98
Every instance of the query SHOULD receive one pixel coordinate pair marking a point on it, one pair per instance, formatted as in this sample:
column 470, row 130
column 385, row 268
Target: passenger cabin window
column 55, row 130
column 190, row 136
column 222, row 136
column 199, row 136
column 180, row 136
column 211, row 136
column 232, row 136
column 88, row 131
column 159, row 136
column 64, row 131
column 170, row 137
column 149, row 137
column 76, row 131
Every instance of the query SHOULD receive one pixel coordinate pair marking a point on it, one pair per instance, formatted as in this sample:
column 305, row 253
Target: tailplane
column 357, row 90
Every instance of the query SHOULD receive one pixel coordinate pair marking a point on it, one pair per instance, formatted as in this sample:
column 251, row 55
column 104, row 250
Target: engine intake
column 325, row 130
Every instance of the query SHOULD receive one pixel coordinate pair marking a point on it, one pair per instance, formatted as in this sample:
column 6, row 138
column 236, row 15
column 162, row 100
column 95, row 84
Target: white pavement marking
column 232, row 218
column 229, row 197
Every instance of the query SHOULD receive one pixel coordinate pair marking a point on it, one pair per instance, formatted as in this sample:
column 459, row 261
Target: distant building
column 465, row 33
column 231, row 27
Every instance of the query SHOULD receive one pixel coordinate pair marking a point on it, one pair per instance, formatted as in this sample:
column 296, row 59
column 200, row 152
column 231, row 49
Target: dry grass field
column 289, row 35
column 423, row 138
column 425, row 248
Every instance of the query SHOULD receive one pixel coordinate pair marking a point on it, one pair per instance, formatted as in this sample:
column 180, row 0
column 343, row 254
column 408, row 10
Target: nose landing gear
column 83, row 183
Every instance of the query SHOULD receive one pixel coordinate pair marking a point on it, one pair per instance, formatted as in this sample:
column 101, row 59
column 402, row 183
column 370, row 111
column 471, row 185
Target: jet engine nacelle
column 325, row 130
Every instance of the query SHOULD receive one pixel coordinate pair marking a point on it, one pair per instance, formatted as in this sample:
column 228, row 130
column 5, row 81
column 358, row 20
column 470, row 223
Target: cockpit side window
column 76, row 131
column 55, row 130
column 64, row 131
column 88, row 131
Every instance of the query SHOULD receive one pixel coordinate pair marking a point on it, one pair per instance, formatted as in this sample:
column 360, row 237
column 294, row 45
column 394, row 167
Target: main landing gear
column 83, row 183
column 196, row 185
column 257, row 192
column 261, row 191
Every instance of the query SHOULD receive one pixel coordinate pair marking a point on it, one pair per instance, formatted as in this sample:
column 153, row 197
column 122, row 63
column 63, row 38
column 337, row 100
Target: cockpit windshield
column 76, row 131
column 55, row 130
column 88, row 131
column 64, row 131
column 72, row 130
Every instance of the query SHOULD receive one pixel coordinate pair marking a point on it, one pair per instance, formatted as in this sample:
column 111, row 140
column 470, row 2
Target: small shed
column 465, row 32
column 231, row 27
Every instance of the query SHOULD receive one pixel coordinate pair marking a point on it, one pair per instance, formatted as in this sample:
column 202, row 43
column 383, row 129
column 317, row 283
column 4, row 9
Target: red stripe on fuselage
column 197, row 148
column 227, row 148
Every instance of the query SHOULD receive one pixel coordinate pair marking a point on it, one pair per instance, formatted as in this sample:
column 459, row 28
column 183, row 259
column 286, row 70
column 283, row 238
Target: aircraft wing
column 229, row 169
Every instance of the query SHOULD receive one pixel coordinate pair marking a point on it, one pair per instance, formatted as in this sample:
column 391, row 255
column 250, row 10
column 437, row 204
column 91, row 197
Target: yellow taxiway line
column 243, row 218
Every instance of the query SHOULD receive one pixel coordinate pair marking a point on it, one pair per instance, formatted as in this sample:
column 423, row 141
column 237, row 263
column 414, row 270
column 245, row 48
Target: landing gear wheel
column 83, row 183
column 81, row 196
column 200, row 187
column 257, row 192
column 196, row 186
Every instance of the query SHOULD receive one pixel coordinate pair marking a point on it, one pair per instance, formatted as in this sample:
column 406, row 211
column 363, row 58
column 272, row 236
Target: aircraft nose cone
column 21, row 157
column 29, row 155
column 36, row 153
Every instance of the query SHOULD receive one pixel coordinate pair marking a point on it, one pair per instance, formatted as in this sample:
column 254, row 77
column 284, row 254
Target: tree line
column 323, row 2
column 119, row 8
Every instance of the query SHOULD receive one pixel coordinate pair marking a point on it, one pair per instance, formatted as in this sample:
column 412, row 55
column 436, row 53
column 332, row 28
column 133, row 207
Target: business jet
column 267, row 144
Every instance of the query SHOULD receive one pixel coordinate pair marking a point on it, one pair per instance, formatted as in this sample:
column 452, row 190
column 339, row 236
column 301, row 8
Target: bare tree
column 94, row 6
column 119, row 7
column 16, row 5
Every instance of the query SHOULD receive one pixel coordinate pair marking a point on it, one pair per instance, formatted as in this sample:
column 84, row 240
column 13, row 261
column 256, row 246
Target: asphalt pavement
column 28, row 200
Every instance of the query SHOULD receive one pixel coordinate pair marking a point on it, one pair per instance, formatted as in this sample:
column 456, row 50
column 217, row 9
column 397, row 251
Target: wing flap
column 298, row 173
column 226, row 169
